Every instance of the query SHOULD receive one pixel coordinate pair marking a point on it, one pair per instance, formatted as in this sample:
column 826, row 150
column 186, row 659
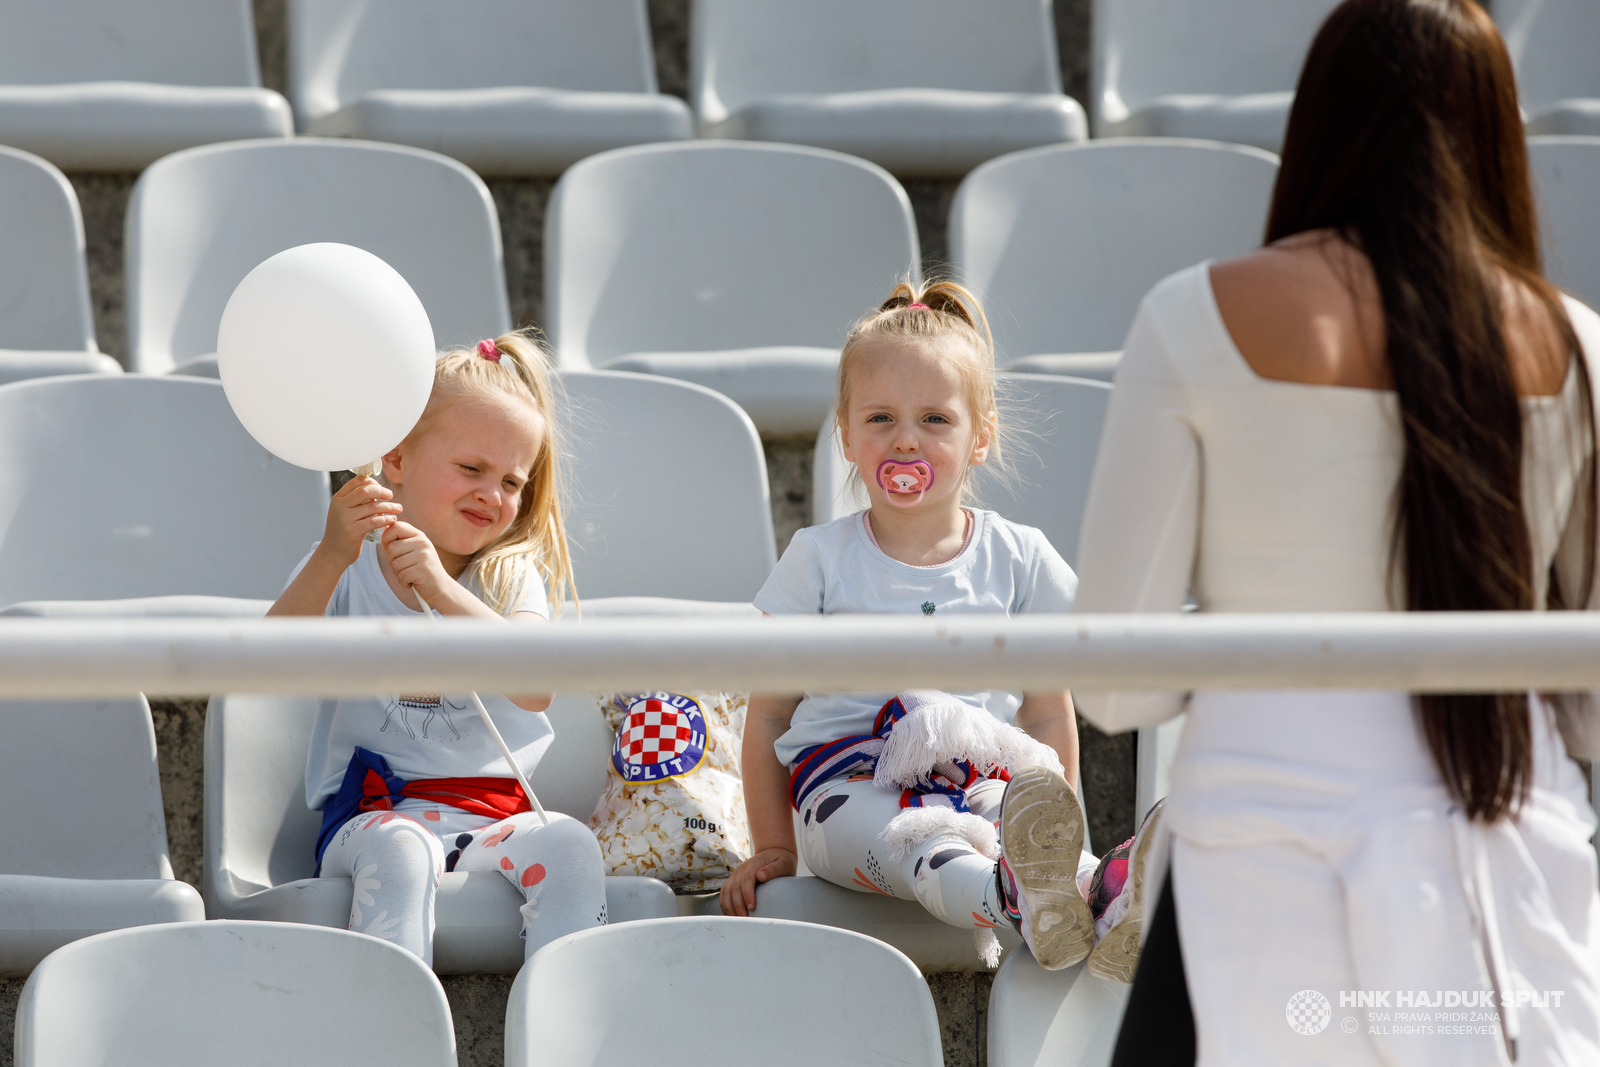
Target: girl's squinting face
column 461, row 482
column 908, row 405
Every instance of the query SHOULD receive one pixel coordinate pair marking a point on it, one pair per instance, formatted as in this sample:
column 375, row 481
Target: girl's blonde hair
column 538, row 535
column 950, row 325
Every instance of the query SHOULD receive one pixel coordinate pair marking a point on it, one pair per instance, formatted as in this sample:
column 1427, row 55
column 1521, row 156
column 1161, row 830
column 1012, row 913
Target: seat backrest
column 201, row 219
column 601, row 995
column 1552, row 43
column 1061, row 243
column 745, row 50
column 668, row 491
column 709, row 246
column 80, row 779
column 1055, row 423
column 341, row 49
column 1145, row 49
column 116, row 486
column 233, row 992
column 44, row 282
column 172, row 42
column 257, row 826
column 1038, row 1016
column 1566, row 173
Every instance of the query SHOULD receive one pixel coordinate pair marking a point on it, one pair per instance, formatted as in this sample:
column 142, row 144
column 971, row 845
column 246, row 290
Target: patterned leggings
column 842, row 839
column 396, row 859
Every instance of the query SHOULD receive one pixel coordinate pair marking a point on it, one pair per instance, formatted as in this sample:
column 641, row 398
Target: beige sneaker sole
column 1116, row 956
column 1041, row 827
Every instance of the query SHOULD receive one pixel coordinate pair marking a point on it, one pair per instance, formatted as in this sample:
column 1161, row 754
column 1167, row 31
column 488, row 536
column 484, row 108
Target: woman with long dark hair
column 1386, row 408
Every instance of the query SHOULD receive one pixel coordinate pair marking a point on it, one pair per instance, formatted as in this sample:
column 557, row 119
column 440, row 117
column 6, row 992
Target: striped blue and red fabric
column 944, row 786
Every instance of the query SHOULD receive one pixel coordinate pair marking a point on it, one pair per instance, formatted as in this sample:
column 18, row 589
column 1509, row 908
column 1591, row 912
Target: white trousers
column 397, row 857
column 1317, row 862
column 843, row 838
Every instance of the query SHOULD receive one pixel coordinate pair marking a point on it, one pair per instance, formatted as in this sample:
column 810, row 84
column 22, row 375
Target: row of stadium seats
column 735, row 266
column 672, row 992
column 922, row 87
column 95, row 859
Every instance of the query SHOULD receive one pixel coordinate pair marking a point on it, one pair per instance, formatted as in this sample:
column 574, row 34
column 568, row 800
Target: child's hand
column 738, row 895
column 360, row 506
column 415, row 562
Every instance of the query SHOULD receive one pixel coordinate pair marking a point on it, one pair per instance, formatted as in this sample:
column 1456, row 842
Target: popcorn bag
column 673, row 805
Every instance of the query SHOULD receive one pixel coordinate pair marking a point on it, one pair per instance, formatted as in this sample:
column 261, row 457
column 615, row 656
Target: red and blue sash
column 369, row 785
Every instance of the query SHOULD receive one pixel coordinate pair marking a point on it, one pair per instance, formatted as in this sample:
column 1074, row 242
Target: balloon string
column 494, row 732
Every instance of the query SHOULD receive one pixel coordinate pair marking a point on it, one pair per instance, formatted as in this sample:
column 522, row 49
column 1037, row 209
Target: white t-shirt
column 836, row 569
column 426, row 736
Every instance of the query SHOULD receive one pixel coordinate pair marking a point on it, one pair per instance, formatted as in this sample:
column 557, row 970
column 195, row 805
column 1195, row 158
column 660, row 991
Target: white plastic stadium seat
column 202, row 993
column 1553, row 44
column 260, row 837
column 505, row 86
column 199, row 221
column 929, row 88
column 183, row 500
column 1040, row 1018
column 153, row 607
column 676, row 992
column 46, row 325
column 109, row 85
column 1062, row 243
column 85, row 850
column 1566, row 180
column 1221, row 71
column 668, row 492
column 737, row 266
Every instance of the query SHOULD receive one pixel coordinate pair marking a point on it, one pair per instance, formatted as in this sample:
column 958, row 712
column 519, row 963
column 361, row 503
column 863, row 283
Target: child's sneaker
column 1041, row 840
column 1116, row 898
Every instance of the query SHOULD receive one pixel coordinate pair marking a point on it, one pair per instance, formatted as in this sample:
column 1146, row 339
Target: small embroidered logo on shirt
column 928, row 607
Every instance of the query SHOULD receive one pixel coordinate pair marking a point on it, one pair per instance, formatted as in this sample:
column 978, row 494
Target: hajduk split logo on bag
column 663, row 736
column 673, row 805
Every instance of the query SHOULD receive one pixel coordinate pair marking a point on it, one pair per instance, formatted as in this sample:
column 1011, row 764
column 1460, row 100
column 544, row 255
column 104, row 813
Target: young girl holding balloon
column 465, row 519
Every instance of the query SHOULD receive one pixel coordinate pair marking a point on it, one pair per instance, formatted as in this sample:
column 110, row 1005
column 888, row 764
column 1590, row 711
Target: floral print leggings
column 397, row 857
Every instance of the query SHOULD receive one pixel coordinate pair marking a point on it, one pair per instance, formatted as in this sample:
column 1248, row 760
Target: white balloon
column 326, row 356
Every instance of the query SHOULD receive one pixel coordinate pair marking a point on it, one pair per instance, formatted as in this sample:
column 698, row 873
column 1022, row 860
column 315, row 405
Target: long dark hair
column 1406, row 140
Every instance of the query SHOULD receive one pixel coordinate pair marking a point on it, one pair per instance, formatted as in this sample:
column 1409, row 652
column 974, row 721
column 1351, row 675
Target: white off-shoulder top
column 1257, row 495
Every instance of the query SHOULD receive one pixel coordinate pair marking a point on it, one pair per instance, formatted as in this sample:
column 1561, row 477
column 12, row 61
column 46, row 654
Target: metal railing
column 188, row 657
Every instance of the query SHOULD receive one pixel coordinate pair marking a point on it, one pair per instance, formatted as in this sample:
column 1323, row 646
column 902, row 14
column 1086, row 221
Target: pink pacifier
column 900, row 480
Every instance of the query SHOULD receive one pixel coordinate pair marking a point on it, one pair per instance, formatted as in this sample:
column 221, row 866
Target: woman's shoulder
column 1177, row 333
column 1585, row 323
column 1181, row 297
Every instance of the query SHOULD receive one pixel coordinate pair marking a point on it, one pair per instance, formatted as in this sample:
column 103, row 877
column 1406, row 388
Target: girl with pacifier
column 923, row 795
column 466, row 515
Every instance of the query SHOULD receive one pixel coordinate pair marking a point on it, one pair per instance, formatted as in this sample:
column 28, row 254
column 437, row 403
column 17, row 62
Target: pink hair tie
column 924, row 307
column 489, row 350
